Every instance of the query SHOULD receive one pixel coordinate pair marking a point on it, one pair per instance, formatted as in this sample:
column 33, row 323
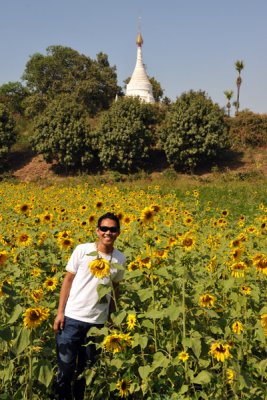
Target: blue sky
column 188, row 44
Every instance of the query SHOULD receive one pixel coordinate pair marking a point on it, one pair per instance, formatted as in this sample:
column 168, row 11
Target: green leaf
column 196, row 346
column 173, row 312
column 16, row 314
column 145, row 294
column 118, row 266
column 92, row 254
column 102, row 291
column 45, row 374
column 155, row 314
column 139, row 340
column 160, row 360
column 147, row 324
column 21, row 341
column 202, row 378
column 144, row 371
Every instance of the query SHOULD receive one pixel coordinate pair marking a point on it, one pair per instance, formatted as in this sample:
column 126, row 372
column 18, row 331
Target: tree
column 7, row 131
column 194, row 130
column 62, row 133
column 239, row 66
column 12, row 94
column 125, row 134
column 228, row 95
column 91, row 83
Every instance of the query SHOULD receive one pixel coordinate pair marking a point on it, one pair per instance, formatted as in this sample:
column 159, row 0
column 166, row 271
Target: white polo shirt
column 83, row 302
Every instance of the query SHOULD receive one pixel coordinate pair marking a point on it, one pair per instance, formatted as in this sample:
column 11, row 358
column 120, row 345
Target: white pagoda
column 139, row 84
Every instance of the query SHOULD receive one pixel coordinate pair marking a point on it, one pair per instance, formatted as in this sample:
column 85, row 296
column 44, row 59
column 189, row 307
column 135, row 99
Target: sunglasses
column 112, row 229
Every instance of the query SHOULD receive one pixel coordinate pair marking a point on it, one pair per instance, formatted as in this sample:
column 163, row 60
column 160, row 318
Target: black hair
column 109, row 215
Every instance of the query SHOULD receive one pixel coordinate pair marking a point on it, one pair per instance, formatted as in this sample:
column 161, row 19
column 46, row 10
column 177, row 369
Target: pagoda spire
column 139, row 84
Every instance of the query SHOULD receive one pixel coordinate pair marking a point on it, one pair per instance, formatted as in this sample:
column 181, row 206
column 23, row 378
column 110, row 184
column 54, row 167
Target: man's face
column 107, row 232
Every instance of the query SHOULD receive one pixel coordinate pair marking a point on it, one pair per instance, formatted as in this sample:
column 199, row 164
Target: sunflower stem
column 154, row 319
column 114, row 297
column 30, row 367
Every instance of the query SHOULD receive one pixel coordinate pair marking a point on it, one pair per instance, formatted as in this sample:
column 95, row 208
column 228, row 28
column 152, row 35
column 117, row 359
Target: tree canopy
column 194, row 130
column 91, row 83
column 125, row 134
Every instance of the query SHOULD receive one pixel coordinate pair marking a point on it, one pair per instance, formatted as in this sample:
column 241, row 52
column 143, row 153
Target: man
column 79, row 307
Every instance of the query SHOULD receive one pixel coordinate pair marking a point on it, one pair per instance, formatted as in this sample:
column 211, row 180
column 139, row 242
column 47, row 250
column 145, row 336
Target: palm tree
column 239, row 65
column 228, row 95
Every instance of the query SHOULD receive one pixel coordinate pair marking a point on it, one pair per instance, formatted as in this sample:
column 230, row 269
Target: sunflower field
column 191, row 319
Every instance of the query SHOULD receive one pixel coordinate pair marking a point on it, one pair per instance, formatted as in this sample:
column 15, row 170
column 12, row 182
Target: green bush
column 7, row 131
column 125, row 134
column 194, row 131
column 62, row 133
column 248, row 129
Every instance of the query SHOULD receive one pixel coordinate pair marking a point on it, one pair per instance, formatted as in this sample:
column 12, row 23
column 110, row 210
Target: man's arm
column 64, row 294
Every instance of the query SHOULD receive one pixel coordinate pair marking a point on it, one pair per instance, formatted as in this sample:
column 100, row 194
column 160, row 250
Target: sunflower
column 65, row 242
column 50, row 284
column 34, row 316
column 230, row 375
column 237, row 327
column 24, row 208
column 37, row 295
column 127, row 219
column 133, row 265
column 36, row 272
column 117, row 342
column 123, row 387
column 212, row 264
column 264, row 323
column 3, row 257
column 83, row 208
column 183, row 356
column 47, row 217
column 24, row 239
column 100, row 268
column 237, row 253
column 145, row 262
column 188, row 220
column 155, row 207
column 246, row 290
column 188, row 242
column 220, row 351
column 260, row 262
column 147, row 215
column 172, row 241
column 238, row 269
column 207, row 300
column 92, row 219
column 42, row 238
column 99, row 204
column 131, row 321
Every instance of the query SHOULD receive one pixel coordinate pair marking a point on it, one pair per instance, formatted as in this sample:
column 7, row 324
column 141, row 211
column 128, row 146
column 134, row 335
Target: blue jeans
column 73, row 355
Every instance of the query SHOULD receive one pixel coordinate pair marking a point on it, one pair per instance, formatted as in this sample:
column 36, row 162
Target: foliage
column 62, row 133
column 12, row 95
column 248, row 129
column 179, row 248
column 194, row 130
column 7, row 131
column 91, row 83
column 125, row 134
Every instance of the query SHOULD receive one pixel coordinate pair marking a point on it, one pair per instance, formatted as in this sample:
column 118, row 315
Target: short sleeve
column 73, row 263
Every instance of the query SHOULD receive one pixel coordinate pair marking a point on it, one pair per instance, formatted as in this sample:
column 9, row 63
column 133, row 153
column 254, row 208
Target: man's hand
column 59, row 322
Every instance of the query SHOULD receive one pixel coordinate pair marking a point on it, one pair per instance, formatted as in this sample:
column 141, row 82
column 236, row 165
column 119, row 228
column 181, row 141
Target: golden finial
column 139, row 39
